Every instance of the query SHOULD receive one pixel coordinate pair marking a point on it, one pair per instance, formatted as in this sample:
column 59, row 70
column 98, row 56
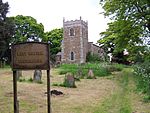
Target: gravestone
column 79, row 73
column 19, row 74
column 69, row 80
column 91, row 74
column 37, row 76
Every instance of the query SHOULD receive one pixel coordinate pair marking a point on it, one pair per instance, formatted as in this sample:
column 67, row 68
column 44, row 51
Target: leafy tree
column 137, row 11
column 121, row 35
column 6, row 30
column 54, row 37
column 27, row 29
column 131, row 23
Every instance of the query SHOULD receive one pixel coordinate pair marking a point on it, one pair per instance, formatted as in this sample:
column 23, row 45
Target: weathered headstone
column 19, row 74
column 91, row 74
column 69, row 80
column 37, row 76
column 79, row 73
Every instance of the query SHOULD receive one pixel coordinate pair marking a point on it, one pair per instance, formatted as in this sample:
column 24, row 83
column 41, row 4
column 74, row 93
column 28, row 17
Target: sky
column 51, row 13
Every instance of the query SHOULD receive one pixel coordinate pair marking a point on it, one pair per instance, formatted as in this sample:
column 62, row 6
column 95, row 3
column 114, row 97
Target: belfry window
column 72, row 55
column 72, row 33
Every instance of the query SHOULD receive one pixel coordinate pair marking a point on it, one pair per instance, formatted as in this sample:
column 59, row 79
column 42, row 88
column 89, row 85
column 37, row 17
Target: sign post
column 48, row 92
column 30, row 56
column 16, row 109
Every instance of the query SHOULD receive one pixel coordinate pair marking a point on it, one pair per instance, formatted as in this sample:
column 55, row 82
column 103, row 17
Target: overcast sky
column 51, row 13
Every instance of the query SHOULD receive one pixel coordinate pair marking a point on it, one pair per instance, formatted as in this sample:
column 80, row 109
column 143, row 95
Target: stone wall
column 77, row 43
column 94, row 49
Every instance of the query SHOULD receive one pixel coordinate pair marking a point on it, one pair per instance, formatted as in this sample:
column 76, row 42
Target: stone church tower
column 75, row 42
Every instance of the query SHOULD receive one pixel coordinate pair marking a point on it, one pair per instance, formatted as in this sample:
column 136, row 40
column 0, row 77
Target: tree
column 27, row 29
column 54, row 37
column 131, row 23
column 6, row 30
column 136, row 11
column 121, row 35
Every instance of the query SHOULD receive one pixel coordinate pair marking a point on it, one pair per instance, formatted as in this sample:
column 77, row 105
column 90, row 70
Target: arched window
column 72, row 56
column 72, row 33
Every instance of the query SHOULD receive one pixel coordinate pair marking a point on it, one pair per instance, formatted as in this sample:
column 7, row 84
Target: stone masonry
column 75, row 45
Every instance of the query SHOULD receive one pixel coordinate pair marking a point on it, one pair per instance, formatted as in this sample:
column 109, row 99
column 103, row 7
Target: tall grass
column 142, row 75
column 99, row 69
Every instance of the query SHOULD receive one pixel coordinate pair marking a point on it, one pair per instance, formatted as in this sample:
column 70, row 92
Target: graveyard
column 114, row 93
column 53, row 62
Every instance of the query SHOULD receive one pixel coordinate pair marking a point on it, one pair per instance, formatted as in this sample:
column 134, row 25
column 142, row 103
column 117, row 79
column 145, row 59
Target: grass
column 118, row 102
column 109, row 94
column 29, row 80
column 98, row 69
column 32, row 97
column 142, row 78
column 27, row 107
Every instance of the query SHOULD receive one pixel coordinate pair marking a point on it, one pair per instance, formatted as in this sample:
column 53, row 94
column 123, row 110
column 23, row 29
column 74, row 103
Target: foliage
column 147, row 54
column 136, row 11
column 54, row 37
column 131, row 21
column 27, row 29
column 92, row 57
column 6, row 29
column 122, row 35
column 142, row 73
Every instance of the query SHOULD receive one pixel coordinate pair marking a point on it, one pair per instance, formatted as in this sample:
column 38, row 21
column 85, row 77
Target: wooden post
column 16, row 104
column 48, row 92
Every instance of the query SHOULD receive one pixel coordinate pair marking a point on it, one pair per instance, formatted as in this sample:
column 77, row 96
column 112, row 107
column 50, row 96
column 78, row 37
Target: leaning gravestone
column 69, row 80
column 37, row 76
column 91, row 74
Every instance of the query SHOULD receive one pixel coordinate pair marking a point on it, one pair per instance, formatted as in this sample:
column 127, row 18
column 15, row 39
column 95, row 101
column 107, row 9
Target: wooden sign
column 30, row 55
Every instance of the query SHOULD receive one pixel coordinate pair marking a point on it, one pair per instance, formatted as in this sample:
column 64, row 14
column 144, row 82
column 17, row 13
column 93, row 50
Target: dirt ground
column 32, row 98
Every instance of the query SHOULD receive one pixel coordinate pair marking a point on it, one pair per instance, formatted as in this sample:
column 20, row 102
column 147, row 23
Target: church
column 75, row 44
